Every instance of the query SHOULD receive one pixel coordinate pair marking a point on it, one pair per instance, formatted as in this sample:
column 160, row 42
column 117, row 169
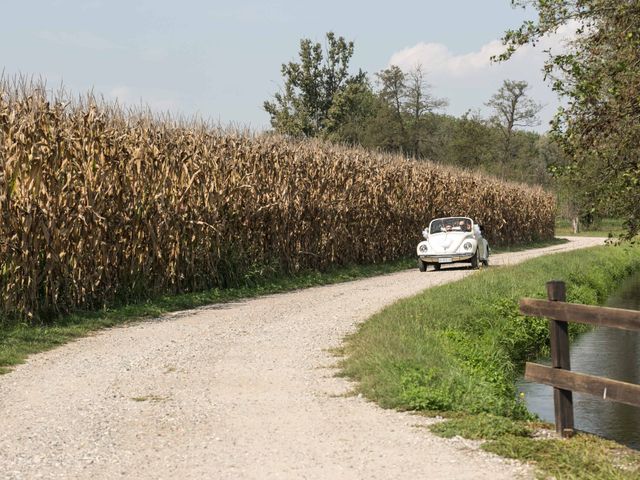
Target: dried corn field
column 100, row 205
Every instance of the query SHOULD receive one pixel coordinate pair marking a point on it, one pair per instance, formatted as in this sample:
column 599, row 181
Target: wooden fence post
column 559, row 333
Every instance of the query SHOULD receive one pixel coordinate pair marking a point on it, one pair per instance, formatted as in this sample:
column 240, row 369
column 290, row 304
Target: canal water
column 605, row 352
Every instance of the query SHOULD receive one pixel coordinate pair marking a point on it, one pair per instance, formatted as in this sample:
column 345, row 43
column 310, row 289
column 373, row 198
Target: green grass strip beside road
column 458, row 348
column 582, row 457
column 606, row 227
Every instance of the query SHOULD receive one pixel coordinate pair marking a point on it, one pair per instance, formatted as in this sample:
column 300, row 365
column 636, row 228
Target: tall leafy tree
column 599, row 75
column 472, row 143
column 512, row 108
column 403, row 121
column 351, row 114
column 418, row 106
column 393, row 88
column 385, row 128
column 311, row 85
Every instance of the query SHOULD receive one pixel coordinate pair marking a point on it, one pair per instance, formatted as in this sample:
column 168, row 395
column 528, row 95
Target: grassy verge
column 602, row 228
column 459, row 347
column 17, row 342
column 582, row 457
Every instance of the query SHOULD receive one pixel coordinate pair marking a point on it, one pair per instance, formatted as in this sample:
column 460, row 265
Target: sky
column 221, row 60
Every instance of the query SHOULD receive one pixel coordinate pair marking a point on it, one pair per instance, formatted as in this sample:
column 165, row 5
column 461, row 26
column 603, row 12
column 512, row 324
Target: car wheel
column 436, row 266
column 422, row 265
column 474, row 261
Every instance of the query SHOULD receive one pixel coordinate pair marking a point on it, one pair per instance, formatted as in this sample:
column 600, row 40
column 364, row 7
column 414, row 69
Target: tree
column 512, row 108
column 402, row 121
column 418, row 105
column 351, row 114
column 472, row 142
column 384, row 127
column 599, row 76
column 393, row 88
column 311, row 86
column 392, row 91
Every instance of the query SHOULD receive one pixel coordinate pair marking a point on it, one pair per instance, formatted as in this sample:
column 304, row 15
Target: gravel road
column 234, row 391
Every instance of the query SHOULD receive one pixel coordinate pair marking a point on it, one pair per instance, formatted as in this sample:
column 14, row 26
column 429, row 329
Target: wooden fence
column 559, row 375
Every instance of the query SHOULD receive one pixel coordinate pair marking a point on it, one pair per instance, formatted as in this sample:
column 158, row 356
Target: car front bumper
column 447, row 257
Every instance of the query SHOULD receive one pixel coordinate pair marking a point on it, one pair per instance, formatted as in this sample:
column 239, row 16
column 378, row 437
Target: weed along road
column 240, row 390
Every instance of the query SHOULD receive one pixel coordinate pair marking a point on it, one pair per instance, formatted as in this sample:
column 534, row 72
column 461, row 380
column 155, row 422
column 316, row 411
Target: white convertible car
column 452, row 240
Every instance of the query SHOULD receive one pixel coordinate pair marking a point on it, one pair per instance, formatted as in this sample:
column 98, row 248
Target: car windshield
column 451, row 224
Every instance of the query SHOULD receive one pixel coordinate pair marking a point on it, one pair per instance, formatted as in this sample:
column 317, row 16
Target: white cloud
column 437, row 58
column 469, row 79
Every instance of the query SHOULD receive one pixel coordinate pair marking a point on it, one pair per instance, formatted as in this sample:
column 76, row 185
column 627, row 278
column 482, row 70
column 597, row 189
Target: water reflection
column 605, row 352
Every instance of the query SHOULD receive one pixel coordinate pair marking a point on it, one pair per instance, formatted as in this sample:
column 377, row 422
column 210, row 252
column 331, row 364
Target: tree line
column 397, row 111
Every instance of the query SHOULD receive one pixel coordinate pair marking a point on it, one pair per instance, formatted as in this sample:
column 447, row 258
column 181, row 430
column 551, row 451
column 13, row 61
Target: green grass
column 460, row 347
column 606, row 227
column 581, row 457
column 19, row 341
column 482, row 427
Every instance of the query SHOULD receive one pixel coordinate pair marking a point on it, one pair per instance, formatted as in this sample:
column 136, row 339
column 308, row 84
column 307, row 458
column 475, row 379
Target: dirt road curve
column 243, row 390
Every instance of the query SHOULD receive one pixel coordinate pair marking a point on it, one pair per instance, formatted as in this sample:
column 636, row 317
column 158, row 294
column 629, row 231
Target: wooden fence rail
column 559, row 375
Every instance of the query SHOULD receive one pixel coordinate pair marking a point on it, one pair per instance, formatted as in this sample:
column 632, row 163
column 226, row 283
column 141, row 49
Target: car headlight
column 467, row 246
column 423, row 248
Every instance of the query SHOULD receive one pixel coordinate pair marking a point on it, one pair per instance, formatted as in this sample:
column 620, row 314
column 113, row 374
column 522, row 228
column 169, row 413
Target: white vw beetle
column 452, row 240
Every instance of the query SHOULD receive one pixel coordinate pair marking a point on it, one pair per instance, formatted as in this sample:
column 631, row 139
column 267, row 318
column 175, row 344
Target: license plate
column 445, row 260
